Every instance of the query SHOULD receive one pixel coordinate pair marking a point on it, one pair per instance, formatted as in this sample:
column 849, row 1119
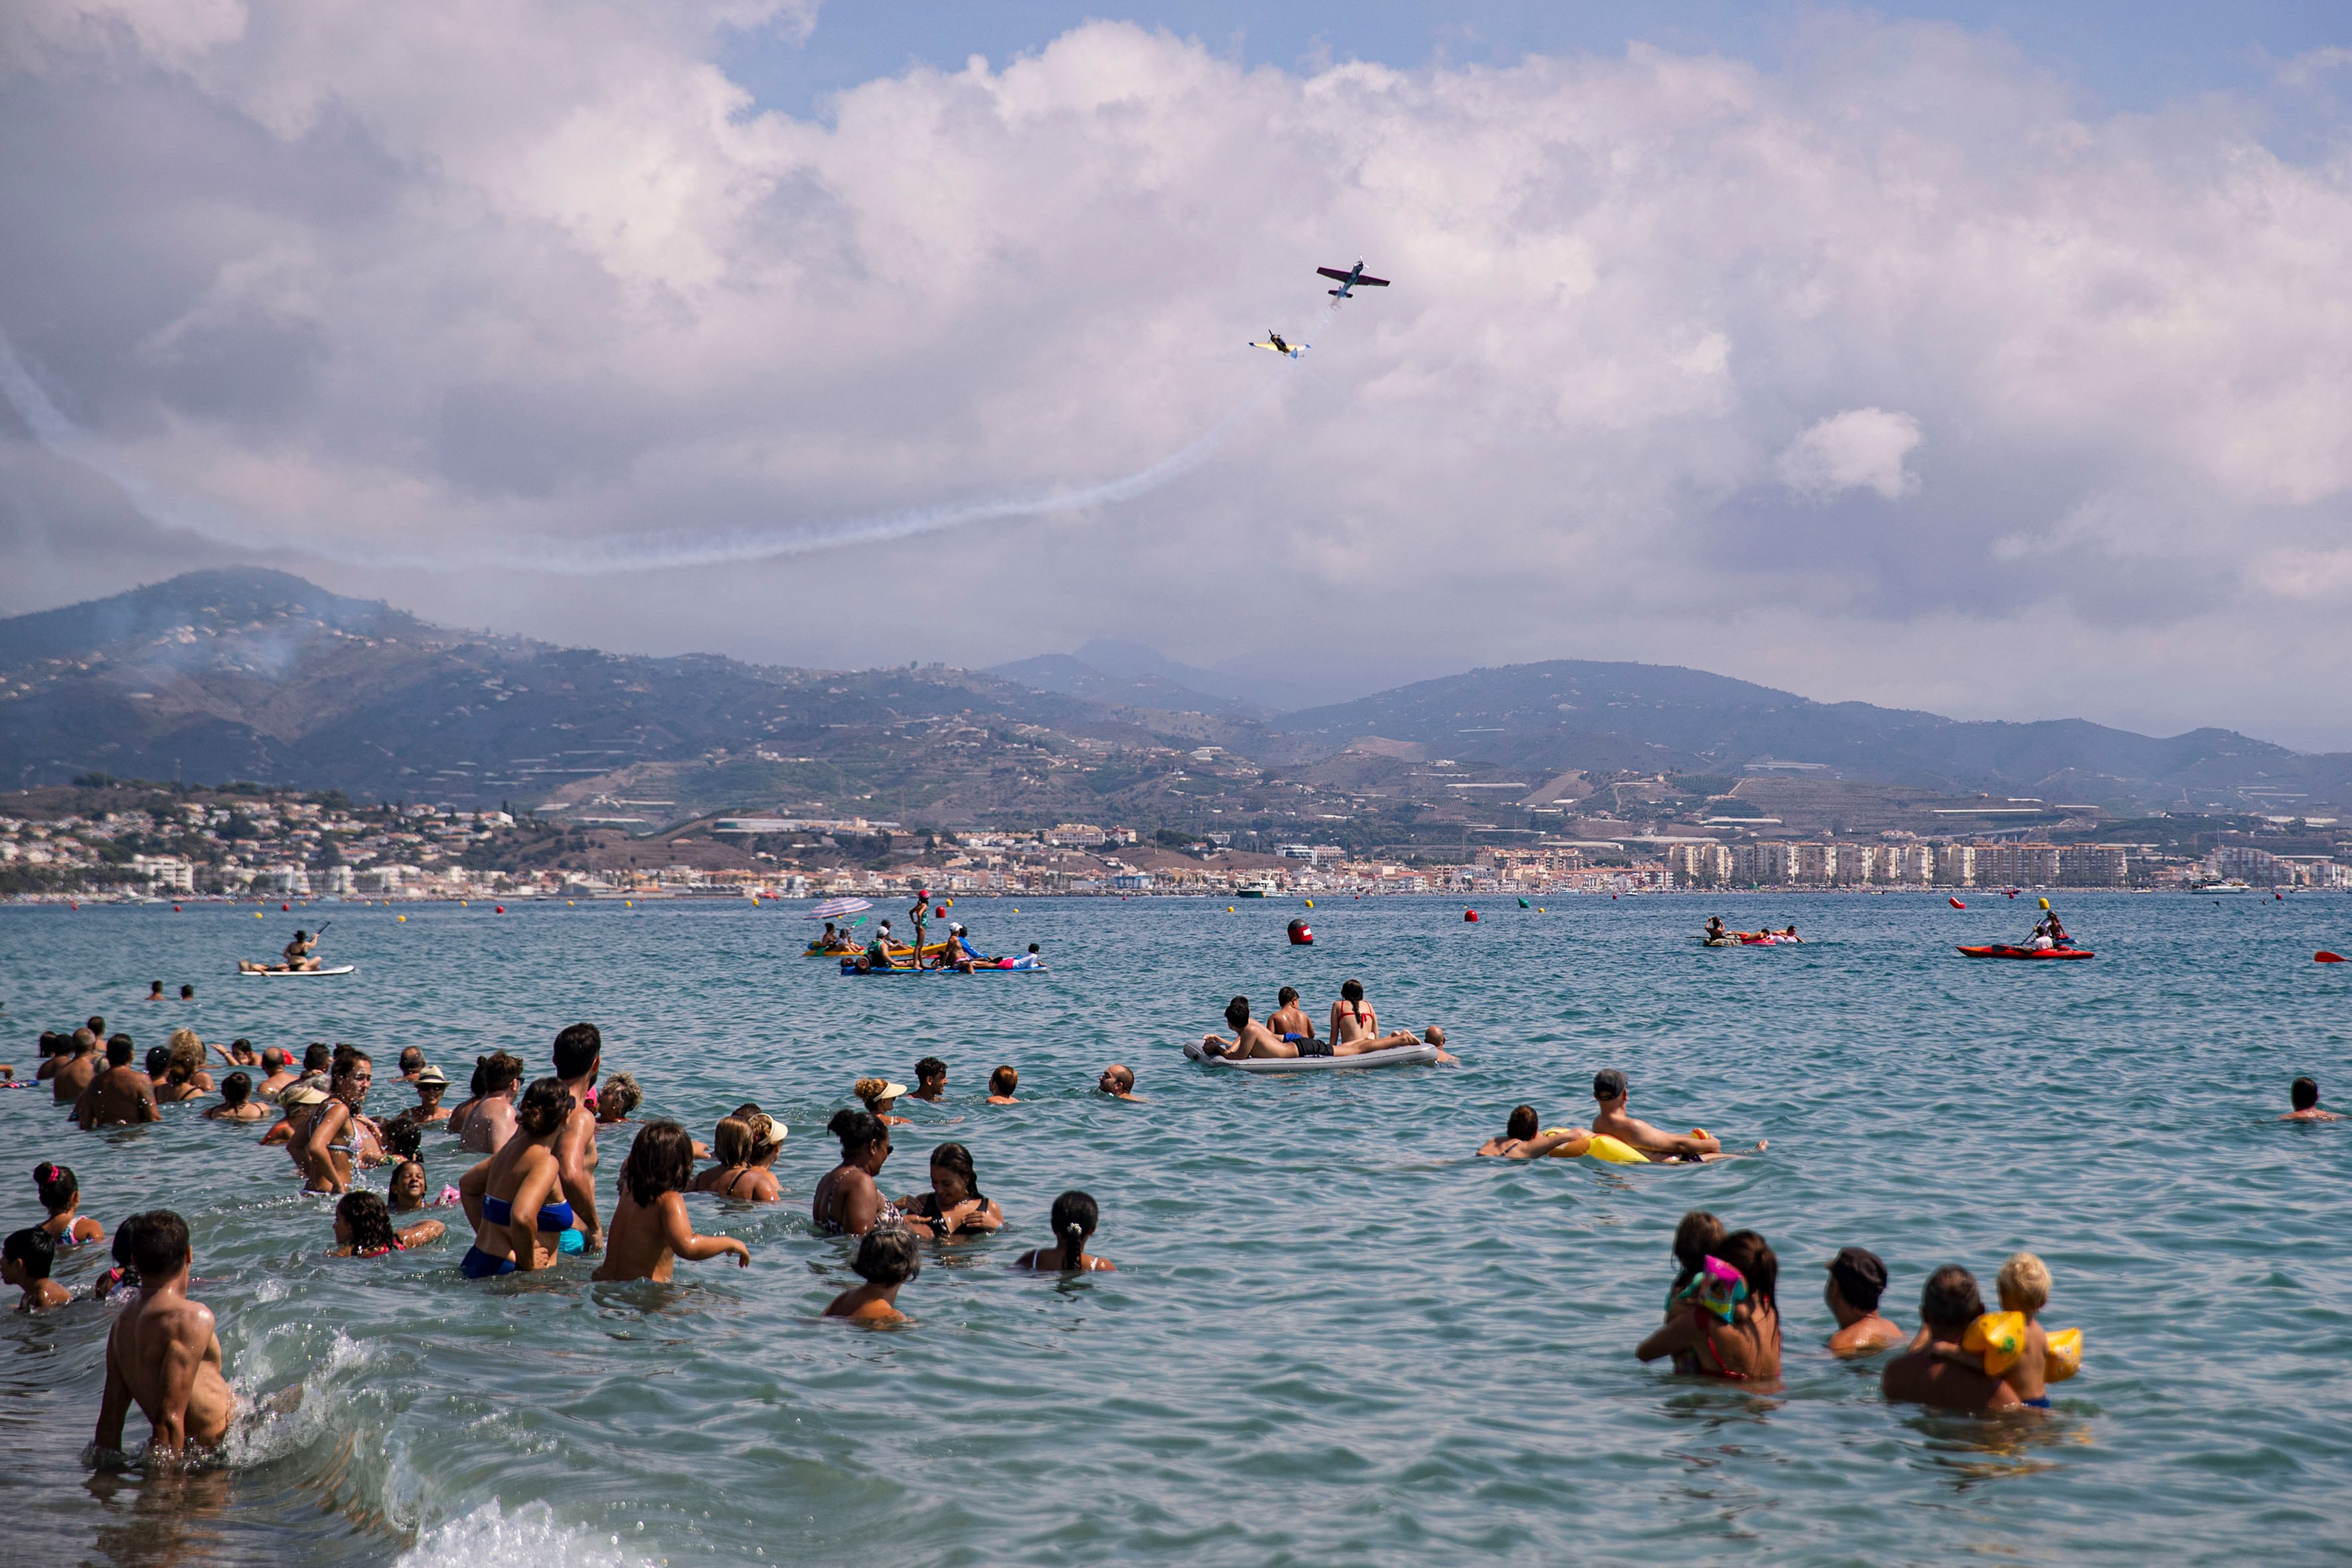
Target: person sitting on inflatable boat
column 1608, row 1088
column 1252, row 1039
column 877, row 951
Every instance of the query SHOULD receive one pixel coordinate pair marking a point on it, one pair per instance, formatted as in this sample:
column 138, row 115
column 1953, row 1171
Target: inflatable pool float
column 1394, row 1057
column 930, row 950
column 2004, row 950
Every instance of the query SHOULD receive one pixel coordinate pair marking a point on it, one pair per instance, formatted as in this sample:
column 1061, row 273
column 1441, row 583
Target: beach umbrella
column 832, row 906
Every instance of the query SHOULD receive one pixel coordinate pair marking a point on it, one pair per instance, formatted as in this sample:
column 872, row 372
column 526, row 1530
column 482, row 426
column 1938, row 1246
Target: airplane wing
column 1335, row 272
column 1369, row 282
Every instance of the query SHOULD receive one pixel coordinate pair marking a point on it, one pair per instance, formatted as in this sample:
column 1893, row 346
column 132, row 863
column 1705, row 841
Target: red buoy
column 502, row 908
column 2323, row 956
column 1301, row 935
column 1470, row 915
column 1955, row 903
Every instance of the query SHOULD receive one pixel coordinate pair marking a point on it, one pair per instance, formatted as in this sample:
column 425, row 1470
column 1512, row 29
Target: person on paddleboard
column 297, row 957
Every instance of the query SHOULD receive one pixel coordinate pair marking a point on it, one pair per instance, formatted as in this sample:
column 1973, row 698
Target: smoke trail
column 566, row 556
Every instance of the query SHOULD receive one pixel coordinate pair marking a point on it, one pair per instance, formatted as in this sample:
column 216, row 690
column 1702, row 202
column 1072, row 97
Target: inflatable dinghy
column 2007, row 949
column 1394, row 1057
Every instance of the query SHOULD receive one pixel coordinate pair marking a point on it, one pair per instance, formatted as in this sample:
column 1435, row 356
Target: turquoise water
column 1335, row 1336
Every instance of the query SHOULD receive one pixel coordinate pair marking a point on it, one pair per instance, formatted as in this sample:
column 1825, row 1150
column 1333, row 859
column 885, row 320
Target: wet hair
column 411, row 1164
column 237, row 1088
column 33, row 1249
column 1003, row 1080
column 240, row 1044
column 501, row 1070
column 1949, row 1300
column 404, row 1138
column 49, row 1043
column 544, row 1106
column 1238, row 1013
column 370, row 1222
column 2024, row 1284
column 316, row 1056
column 1699, row 1234
column 2304, row 1093
column 120, row 1251
column 186, row 992
column 619, row 1095
column 732, row 1141
column 955, row 1158
column 1074, row 1218
column 1751, row 1253
column 576, row 1050
column 1120, row 1074
column 56, row 1185
column 857, row 1130
column 120, row 1051
column 158, row 1242
column 96, row 1024
column 1609, row 1084
column 1522, row 1122
column 1286, row 996
column 929, row 1068
column 660, row 1161
column 1351, row 990
column 341, row 1059
column 411, row 1056
column 888, row 1256
column 481, row 1073
column 159, row 1060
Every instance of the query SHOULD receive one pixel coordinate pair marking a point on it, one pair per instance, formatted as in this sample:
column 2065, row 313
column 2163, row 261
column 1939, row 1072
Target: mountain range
column 257, row 675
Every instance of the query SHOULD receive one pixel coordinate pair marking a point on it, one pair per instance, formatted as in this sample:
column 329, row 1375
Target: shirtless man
column 1117, row 1081
column 491, row 1121
column 122, row 1095
column 1252, row 1039
column 579, row 1054
column 1856, row 1280
column 1948, row 1304
column 2304, row 1095
column 1289, row 1018
column 163, row 1352
column 1609, row 1090
column 74, row 1072
column 279, row 1061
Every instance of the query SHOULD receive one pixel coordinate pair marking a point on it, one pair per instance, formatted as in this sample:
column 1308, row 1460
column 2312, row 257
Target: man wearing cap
column 1608, row 1088
column 877, row 951
column 1856, row 1281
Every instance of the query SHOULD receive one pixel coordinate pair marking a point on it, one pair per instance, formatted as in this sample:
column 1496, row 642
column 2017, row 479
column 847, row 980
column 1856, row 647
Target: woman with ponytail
column 61, row 1196
column 1074, row 1218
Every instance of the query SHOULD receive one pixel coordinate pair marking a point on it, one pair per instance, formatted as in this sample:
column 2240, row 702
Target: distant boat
column 2231, row 885
column 1263, row 888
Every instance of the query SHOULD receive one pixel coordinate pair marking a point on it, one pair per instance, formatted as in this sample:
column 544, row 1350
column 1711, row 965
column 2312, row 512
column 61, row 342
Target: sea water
column 1335, row 1335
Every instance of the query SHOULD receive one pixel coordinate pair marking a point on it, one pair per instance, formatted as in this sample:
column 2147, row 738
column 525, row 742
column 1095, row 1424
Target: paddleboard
column 295, row 974
column 1394, row 1057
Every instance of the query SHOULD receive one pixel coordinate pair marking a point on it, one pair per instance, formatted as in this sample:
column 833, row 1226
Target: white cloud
column 431, row 283
column 1860, row 449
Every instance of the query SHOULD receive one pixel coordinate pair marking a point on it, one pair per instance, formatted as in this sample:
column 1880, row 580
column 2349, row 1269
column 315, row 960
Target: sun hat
column 877, row 1089
column 299, row 1095
column 428, row 1073
column 767, row 1132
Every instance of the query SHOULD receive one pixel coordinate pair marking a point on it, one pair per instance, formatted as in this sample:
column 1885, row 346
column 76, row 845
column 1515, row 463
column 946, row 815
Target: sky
column 1988, row 359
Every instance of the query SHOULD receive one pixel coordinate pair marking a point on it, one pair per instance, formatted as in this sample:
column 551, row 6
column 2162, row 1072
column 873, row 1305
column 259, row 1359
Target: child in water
column 24, row 1262
column 2024, row 1283
column 1075, row 1217
column 886, row 1259
column 363, row 1228
column 650, row 1229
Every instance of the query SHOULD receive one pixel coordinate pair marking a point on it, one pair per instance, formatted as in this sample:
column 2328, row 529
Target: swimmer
column 1520, row 1140
column 2023, row 1284
column 185, row 1077
column 155, row 991
column 239, row 1053
column 930, row 1079
column 886, row 1259
column 579, row 1056
column 162, row 1354
column 1001, row 1085
column 187, row 993
column 1733, row 1324
column 1609, row 1090
column 514, row 1198
column 338, row 1137
column 618, row 1096
column 1936, row 1370
column 1117, row 1081
column 119, row 1096
column 2302, row 1094
column 955, row 1204
column 1696, row 1237
column 1289, row 1020
column 1075, row 1217
column 60, row 1194
column 1856, row 1281
column 1356, row 1028
column 119, row 1284
column 24, row 1262
column 847, row 1202
column 236, row 1103
column 650, row 1229
column 746, row 1145
column 278, row 1063
column 363, row 1228
column 879, row 1095
column 490, row 1121
column 296, row 1107
column 431, row 1084
column 405, row 1193
column 75, row 1069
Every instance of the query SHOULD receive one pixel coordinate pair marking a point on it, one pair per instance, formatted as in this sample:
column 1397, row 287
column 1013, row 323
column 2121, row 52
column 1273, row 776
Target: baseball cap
column 1861, row 1276
column 1609, row 1084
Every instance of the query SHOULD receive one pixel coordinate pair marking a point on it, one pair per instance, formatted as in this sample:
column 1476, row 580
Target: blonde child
column 2024, row 1283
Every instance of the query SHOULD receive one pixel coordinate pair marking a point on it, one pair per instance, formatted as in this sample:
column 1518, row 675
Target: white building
column 165, row 873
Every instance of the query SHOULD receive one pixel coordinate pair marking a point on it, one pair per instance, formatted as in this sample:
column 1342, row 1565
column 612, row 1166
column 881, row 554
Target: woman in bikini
column 955, row 1204
column 1732, row 1325
column 185, row 1077
column 746, row 1144
column 363, row 1228
column 339, row 1137
column 1356, row 1028
column 1075, row 1217
column 61, row 1196
column 847, row 1203
column 516, row 1228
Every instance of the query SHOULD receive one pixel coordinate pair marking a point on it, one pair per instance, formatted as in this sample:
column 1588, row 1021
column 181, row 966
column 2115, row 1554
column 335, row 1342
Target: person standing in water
column 337, row 1138
column 887, row 1258
column 1856, row 1281
column 579, row 1056
column 515, row 1197
column 162, row 1354
column 1075, row 1217
column 119, row 1096
column 650, row 1228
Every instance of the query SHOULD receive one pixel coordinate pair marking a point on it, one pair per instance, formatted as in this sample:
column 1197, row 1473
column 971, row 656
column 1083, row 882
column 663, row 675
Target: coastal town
column 108, row 839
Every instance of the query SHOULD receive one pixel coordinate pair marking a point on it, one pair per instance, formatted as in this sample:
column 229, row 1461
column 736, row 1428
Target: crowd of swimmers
column 530, row 1198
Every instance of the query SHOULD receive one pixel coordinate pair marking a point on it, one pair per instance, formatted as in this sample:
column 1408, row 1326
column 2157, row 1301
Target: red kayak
column 2003, row 950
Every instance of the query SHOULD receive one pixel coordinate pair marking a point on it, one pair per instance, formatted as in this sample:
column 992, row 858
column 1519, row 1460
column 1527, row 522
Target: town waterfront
column 1335, row 1336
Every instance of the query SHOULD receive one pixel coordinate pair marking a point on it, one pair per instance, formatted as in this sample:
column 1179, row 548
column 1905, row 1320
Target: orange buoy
column 2323, row 956
column 1955, row 903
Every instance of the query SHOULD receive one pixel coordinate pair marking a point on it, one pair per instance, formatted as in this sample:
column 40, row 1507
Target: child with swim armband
column 1698, row 1236
column 2012, row 1345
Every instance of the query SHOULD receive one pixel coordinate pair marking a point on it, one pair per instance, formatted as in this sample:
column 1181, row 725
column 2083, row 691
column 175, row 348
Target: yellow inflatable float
column 1999, row 1338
